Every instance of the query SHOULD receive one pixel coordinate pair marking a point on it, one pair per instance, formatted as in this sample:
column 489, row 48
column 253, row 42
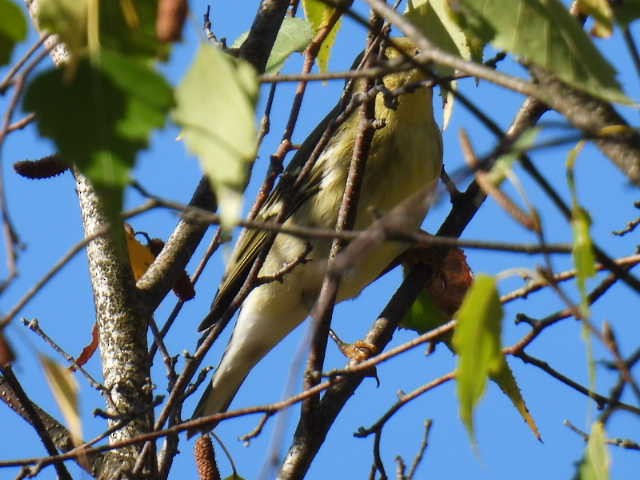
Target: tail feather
column 253, row 337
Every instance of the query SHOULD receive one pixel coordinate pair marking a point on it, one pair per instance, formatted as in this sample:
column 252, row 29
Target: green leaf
column 68, row 19
column 294, row 36
column 505, row 379
column 434, row 19
column 65, row 391
column 543, row 32
column 318, row 13
column 595, row 465
column 477, row 342
column 101, row 118
column 424, row 315
column 13, row 29
column 216, row 110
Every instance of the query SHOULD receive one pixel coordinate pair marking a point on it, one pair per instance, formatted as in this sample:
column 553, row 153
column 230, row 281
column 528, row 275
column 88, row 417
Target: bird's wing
column 251, row 242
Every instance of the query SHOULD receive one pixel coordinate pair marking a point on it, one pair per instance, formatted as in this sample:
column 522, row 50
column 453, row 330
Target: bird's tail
column 226, row 381
column 253, row 337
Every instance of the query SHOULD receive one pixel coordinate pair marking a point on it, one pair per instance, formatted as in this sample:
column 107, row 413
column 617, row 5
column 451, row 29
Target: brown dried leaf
column 89, row 350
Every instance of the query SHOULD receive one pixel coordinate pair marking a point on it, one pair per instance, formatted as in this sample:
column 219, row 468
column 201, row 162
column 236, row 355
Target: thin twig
column 423, row 448
column 20, row 63
column 72, row 252
column 537, row 285
column 501, row 198
column 403, row 400
column 415, row 238
column 34, row 326
column 617, row 442
column 322, row 311
column 600, row 400
column 20, row 124
column 211, row 249
column 66, row 258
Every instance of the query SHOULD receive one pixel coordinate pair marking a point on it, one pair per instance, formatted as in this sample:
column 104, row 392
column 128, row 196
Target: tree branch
column 123, row 325
column 593, row 116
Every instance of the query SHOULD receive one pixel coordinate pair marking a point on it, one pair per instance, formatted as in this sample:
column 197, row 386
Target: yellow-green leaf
column 433, row 18
column 505, row 379
column 318, row 13
column 595, row 465
column 216, row 110
column 65, row 390
column 477, row 342
column 543, row 32
column 583, row 255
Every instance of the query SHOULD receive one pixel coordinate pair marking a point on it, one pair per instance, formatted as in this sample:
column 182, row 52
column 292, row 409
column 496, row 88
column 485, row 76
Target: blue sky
column 47, row 218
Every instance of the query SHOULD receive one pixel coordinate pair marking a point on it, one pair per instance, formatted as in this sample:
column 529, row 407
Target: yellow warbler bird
column 404, row 162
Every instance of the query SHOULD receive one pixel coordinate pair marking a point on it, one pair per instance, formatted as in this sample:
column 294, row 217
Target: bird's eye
column 416, row 52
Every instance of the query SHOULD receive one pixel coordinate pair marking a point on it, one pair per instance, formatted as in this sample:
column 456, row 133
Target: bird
column 405, row 160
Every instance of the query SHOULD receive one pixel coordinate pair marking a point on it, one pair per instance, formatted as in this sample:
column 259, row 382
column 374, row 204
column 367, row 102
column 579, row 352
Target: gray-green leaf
column 294, row 36
column 543, row 32
column 216, row 110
